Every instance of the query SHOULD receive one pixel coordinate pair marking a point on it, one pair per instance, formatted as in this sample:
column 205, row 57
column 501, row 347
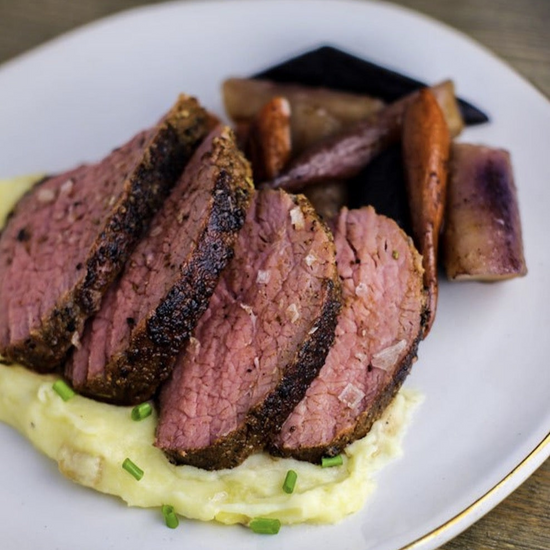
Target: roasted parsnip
column 426, row 144
column 327, row 198
column 244, row 97
column 311, row 124
column 482, row 238
column 445, row 96
column 342, row 156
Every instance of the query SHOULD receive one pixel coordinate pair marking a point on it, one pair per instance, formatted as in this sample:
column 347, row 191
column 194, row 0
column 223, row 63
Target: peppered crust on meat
column 66, row 241
column 266, row 333
column 129, row 348
column 376, row 338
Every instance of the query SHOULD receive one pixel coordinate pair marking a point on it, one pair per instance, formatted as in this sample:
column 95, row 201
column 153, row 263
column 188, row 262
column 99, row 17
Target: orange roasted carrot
column 269, row 141
column 426, row 144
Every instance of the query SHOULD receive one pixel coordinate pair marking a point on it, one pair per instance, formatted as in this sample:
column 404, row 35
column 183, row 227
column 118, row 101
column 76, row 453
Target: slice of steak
column 130, row 346
column 68, row 238
column 376, row 338
column 263, row 339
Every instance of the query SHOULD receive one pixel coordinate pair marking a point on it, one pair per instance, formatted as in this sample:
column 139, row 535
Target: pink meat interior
column 152, row 269
column 45, row 246
column 378, row 323
column 261, row 311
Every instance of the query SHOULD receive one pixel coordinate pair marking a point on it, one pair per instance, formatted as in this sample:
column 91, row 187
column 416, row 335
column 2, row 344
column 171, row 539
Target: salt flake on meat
column 351, row 395
column 263, row 277
column 297, row 218
column 45, row 196
column 292, row 313
column 387, row 358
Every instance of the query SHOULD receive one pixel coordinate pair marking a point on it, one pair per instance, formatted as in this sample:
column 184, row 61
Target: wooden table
column 519, row 32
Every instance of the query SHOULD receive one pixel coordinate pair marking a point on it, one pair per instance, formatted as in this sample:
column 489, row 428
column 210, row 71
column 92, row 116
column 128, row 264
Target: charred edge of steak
column 134, row 375
column 365, row 420
column 309, row 360
column 268, row 417
column 175, row 140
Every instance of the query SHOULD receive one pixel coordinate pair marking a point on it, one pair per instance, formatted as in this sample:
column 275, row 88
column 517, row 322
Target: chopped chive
column 63, row 390
column 167, row 509
column 290, row 481
column 170, row 517
column 132, row 469
column 395, row 254
column 330, row 461
column 265, row 526
column 171, row 520
column 141, row 411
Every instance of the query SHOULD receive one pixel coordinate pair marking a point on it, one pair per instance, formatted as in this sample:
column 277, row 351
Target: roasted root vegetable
column 319, row 112
column 268, row 140
column 327, row 198
column 445, row 96
column 482, row 238
column 316, row 112
column 342, row 156
column 426, row 144
column 244, row 97
column 311, row 124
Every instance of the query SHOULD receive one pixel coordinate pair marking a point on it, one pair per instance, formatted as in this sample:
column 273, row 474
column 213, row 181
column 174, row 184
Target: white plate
column 484, row 367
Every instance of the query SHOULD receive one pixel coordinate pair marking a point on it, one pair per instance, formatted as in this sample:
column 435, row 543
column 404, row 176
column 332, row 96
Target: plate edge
column 483, row 504
column 384, row 4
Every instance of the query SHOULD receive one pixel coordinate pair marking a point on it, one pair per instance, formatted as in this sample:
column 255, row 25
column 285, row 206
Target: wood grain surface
column 516, row 30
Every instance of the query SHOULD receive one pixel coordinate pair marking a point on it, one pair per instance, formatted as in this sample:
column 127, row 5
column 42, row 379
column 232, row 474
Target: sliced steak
column 68, row 238
column 376, row 338
column 263, row 339
column 130, row 346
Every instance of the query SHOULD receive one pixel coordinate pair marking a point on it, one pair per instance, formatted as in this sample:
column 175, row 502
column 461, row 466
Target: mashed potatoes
column 91, row 440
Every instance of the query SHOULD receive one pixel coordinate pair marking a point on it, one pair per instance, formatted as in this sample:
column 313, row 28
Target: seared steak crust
column 376, row 339
column 68, row 239
column 150, row 311
column 267, row 331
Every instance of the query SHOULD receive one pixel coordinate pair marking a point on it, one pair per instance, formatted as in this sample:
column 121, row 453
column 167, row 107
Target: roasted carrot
column 269, row 142
column 426, row 143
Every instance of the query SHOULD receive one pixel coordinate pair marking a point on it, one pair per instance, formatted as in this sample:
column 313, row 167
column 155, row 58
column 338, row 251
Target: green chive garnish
column 63, row 390
column 265, row 526
column 141, row 411
column 290, row 481
column 330, row 461
column 132, row 469
column 395, row 255
column 170, row 517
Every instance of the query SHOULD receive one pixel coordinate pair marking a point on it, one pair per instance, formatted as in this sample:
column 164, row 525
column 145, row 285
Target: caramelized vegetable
column 482, row 238
column 245, row 97
column 426, row 144
column 444, row 94
column 316, row 112
column 342, row 156
column 269, row 143
column 311, row 124
column 327, row 198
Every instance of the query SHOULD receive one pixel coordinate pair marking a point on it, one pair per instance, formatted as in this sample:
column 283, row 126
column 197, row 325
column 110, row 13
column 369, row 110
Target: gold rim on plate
column 483, row 500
